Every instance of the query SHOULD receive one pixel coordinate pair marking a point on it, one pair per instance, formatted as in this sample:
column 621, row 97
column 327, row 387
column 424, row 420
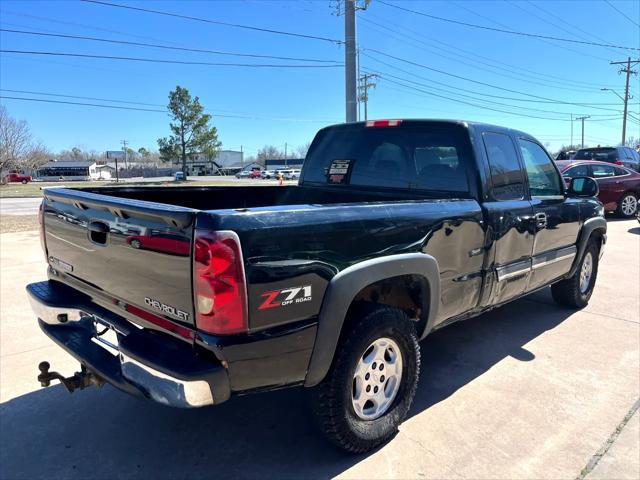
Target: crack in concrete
column 593, row 461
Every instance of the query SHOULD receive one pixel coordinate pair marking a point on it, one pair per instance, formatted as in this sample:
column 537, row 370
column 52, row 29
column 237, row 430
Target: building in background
column 226, row 162
column 67, row 170
column 283, row 163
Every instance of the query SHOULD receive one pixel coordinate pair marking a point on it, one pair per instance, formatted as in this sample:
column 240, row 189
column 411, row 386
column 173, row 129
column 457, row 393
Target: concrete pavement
column 529, row 390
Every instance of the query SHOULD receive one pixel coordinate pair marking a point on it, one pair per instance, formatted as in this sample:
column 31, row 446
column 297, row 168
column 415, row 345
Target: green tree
column 191, row 133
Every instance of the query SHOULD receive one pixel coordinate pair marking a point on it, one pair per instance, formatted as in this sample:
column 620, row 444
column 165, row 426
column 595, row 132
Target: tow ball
column 80, row 380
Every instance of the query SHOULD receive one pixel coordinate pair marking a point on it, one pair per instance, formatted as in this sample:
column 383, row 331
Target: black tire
column 331, row 400
column 627, row 196
column 568, row 293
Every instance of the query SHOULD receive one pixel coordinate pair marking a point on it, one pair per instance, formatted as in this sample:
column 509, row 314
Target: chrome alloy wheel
column 585, row 272
column 377, row 378
column 629, row 205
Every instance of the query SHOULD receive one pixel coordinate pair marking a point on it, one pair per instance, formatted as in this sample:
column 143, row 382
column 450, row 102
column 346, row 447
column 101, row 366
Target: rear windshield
column 602, row 154
column 417, row 156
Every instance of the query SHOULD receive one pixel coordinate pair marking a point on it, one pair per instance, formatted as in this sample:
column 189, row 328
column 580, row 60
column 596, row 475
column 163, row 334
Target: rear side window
column 415, row 156
column 603, row 171
column 577, row 171
column 506, row 174
column 621, row 171
column 544, row 180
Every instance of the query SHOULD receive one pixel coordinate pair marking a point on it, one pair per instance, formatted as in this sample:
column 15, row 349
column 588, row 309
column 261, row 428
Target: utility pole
column 351, row 104
column 125, row 144
column 285, row 155
column 571, row 130
column 365, row 85
column 628, row 71
column 582, row 119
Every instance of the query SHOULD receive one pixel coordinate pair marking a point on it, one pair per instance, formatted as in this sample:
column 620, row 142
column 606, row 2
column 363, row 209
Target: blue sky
column 289, row 105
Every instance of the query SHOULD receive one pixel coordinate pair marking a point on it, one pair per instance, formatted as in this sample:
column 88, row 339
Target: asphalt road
column 19, row 206
column 529, row 390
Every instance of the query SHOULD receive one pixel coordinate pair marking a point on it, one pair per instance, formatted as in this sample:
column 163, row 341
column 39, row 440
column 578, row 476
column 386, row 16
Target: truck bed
column 214, row 198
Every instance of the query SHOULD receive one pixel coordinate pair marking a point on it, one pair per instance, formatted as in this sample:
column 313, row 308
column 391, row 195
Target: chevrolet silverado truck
column 396, row 228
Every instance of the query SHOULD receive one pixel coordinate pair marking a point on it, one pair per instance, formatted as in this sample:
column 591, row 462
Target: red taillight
column 619, row 162
column 43, row 240
column 383, row 123
column 219, row 283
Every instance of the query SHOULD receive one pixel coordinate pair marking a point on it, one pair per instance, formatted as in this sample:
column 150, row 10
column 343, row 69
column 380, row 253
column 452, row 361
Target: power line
column 84, row 104
column 473, row 55
column 554, row 44
column 587, row 35
column 117, row 107
column 622, row 13
column 214, row 22
column 166, row 47
column 464, row 89
column 508, row 112
column 482, row 83
column 451, row 92
column 157, row 60
column 547, row 21
column 512, row 32
column 30, row 92
column 527, row 77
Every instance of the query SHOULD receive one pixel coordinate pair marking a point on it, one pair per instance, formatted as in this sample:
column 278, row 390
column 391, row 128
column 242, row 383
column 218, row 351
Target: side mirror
column 583, row 187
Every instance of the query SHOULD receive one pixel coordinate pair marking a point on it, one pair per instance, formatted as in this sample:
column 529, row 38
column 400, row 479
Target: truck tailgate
column 136, row 252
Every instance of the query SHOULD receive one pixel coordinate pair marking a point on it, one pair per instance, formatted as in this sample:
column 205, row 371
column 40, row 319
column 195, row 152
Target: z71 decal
column 286, row 296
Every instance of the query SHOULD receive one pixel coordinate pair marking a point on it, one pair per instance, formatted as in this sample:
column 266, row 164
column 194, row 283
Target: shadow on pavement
column 106, row 434
column 635, row 230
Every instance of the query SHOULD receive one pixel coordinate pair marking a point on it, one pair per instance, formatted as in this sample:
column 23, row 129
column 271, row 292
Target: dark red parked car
column 619, row 186
column 16, row 177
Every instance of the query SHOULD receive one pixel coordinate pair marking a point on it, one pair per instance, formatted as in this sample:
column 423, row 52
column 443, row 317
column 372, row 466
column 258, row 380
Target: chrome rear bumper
column 155, row 366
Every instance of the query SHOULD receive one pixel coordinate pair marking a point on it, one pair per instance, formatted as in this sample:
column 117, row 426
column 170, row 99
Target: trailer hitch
column 80, row 380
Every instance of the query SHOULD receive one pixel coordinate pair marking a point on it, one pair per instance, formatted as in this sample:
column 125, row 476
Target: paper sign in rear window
column 339, row 171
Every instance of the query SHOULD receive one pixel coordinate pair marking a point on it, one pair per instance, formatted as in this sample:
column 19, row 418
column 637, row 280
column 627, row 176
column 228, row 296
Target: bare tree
column 36, row 156
column 269, row 152
column 301, row 150
column 15, row 140
column 632, row 142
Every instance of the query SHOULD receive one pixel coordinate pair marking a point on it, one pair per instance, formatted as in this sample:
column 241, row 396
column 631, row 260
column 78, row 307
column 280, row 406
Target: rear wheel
column 368, row 391
column 628, row 205
column 136, row 243
column 575, row 291
column 24, row 182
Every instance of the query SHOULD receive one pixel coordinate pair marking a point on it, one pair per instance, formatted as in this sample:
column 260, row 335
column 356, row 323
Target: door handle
column 541, row 220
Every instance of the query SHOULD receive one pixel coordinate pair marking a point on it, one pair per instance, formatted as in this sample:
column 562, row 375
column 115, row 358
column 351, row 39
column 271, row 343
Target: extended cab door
column 556, row 217
column 509, row 218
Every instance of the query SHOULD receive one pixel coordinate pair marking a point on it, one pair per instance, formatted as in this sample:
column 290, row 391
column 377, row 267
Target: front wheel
column 24, row 182
column 575, row 291
column 368, row 391
column 628, row 205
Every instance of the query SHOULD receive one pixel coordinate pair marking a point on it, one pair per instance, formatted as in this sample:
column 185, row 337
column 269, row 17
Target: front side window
column 506, row 174
column 603, row 171
column 544, row 180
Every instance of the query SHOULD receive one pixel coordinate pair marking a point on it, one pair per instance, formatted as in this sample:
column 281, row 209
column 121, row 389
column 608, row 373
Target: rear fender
column 348, row 283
